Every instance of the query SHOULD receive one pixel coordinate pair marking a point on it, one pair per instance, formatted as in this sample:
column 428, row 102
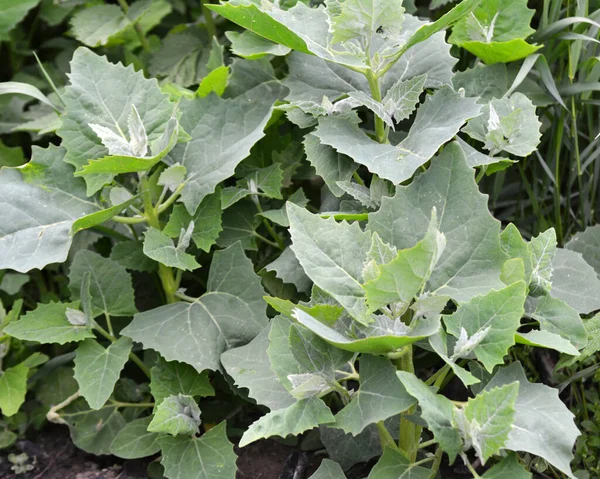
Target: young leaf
column 501, row 312
column 216, row 81
column 437, row 121
column 403, row 97
column 97, row 369
column 13, row 387
column 111, row 287
column 507, row 124
column 439, row 344
column 229, row 314
column 543, row 425
column 96, row 24
column 438, row 411
column 46, row 324
column 159, row 247
column 172, row 378
column 380, row 396
column 207, row 457
column 94, row 81
column 400, row 280
column 134, row 441
column 176, row 415
column 472, row 261
column 394, row 465
column 332, row 255
column 575, row 282
column 222, row 131
column 295, row 419
column 250, row 367
column 490, row 415
column 283, row 362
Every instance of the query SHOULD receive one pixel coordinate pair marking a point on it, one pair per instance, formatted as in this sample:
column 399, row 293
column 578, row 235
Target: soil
column 54, row 456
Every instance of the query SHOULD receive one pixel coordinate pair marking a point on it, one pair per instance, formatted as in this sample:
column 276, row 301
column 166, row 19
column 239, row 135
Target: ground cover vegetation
column 364, row 227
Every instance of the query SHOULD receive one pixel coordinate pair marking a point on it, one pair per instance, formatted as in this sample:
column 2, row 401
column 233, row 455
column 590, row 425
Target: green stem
column 425, row 444
column 385, row 437
column 437, row 461
column 208, row 19
column 270, row 229
column 376, row 94
column 109, row 324
column 357, row 178
column 164, row 272
column 127, row 220
column 134, row 357
column 136, row 27
column 409, row 431
column 472, row 470
column 171, row 199
column 438, row 377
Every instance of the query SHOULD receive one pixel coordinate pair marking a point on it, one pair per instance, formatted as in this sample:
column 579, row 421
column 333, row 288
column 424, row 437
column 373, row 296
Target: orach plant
column 402, row 279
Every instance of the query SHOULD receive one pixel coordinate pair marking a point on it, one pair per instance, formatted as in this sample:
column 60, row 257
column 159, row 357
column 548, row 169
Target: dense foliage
column 249, row 220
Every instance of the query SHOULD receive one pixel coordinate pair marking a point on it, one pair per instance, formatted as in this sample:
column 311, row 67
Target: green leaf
column 507, row 467
column 95, row 25
column 223, row 132
column 282, row 360
column 348, row 450
column 472, row 261
column 497, row 316
column 556, row 317
column 545, row 339
column 176, row 415
column 171, row 378
column 130, row 254
column 287, row 268
column 207, row 457
column 93, row 81
column 437, row 121
column 254, row 20
column 230, row 314
column 18, row 88
column 393, row 465
column 11, row 13
column 439, row 343
column 380, row 339
column 134, row 441
column 490, row 415
column 332, row 255
column 295, row 419
column 11, row 156
column 403, row 96
column 495, row 31
column 13, row 388
column 251, row 46
column 12, row 283
column 543, row 425
column 268, row 180
column 250, row 367
column 123, row 163
column 216, row 81
column 159, row 247
column 476, row 158
column 507, row 124
column 110, row 284
column 328, row 163
column 588, row 244
column 328, row 470
column 401, row 279
column 93, row 431
column 97, row 369
column 438, row 411
column 575, row 282
column 380, row 396
column 44, row 207
column 207, row 222
column 325, row 313
column 48, row 324
column 239, row 225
